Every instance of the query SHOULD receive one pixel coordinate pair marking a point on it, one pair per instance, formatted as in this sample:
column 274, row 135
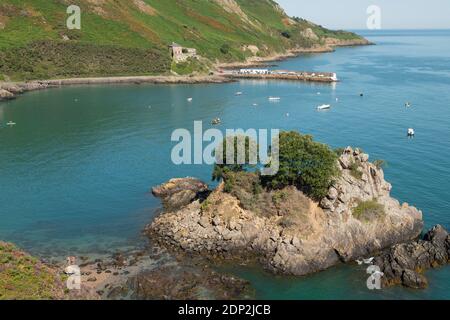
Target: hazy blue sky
column 351, row 14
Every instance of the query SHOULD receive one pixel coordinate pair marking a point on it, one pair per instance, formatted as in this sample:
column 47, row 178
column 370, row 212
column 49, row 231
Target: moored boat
column 324, row 107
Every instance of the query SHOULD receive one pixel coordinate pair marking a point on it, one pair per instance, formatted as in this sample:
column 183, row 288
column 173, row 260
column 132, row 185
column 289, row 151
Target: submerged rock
column 177, row 282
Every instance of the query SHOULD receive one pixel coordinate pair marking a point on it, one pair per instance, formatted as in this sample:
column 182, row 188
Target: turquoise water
column 76, row 170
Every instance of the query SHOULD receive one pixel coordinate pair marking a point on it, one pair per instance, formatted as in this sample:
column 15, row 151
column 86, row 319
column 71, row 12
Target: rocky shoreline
column 329, row 46
column 142, row 274
column 405, row 263
column 318, row 236
column 201, row 229
column 10, row 90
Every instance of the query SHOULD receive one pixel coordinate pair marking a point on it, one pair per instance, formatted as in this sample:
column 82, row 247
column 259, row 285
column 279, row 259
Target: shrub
column 245, row 186
column 205, row 205
column 379, row 163
column 278, row 197
column 53, row 59
column 286, row 34
column 190, row 66
column 355, row 173
column 368, row 210
column 221, row 169
column 225, row 48
column 309, row 165
column 339, row 151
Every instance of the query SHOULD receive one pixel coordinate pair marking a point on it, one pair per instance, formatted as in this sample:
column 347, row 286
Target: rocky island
column 290, row 233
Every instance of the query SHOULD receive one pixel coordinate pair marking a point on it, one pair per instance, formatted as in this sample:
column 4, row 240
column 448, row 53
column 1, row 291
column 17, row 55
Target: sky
column 352, row 14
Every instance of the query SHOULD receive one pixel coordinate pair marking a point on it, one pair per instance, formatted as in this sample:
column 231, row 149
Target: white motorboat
column 216, row 121
column 324, row 107
column 239, row 93
column 411, row 132
column 274, row 98
column 189, row 99
column 10, row 123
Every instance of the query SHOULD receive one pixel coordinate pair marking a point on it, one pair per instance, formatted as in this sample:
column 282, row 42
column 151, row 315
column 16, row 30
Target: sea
column 77, row 168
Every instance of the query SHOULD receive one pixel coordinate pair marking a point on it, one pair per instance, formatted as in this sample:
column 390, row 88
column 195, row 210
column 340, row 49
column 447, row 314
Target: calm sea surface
column 76, row 170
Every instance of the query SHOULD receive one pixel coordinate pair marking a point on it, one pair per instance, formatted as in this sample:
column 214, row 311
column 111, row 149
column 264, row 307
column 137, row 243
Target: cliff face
column 292, row 234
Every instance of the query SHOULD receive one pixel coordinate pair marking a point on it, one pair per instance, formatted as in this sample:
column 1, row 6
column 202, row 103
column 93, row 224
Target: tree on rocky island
column 311, row 166
column 242, row 156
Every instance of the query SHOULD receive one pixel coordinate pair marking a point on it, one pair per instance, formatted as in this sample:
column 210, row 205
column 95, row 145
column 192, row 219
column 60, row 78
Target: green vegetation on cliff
column 23, row 277
column 368, row 210
column 125, row 37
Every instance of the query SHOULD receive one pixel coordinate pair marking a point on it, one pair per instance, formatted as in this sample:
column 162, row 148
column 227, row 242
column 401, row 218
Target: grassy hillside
column 123, row 37
column 24, row 277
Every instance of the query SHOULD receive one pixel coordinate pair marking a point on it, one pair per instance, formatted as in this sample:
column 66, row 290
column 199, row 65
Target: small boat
column 361, row 94
column 216, row 121
column 255, row 104
column 189, row 99
column 239, row 93
column 324, row 107
column 337, row 99
column 369, row 260
column 407, row 104
column 10, row 123
column 318, row 93
column 411, row 132
column 274, row 98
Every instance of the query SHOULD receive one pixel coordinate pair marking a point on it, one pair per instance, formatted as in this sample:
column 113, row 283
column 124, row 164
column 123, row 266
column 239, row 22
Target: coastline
column 10, row 90
column 330, row 46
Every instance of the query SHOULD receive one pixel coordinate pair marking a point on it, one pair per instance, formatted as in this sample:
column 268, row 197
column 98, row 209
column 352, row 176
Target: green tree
column 222, row 166
column 309, row 165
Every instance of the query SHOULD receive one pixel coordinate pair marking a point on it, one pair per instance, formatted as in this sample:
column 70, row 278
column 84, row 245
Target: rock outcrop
column 6, row 95
column 404, row 263
column 295, row 235
column 177, row 193
column 175, row 282
column 334, row 42
column 10, row 91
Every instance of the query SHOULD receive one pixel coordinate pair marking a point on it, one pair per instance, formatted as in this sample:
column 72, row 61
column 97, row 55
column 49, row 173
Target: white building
column 254, row 71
